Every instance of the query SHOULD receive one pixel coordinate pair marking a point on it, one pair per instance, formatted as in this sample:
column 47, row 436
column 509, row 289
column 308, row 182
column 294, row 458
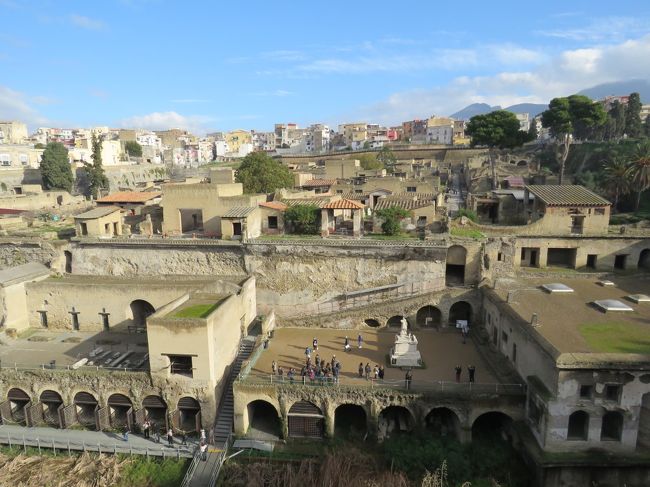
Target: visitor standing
column 408, row 379
column 367, row 370
column 360, row 369
column 145, row 429
column 170, row 437
column 315, row 344
column 381, row 372
column 281, row 372
column 375, row 371
column 203, row 434
column 204, row 450
column 346, row 344
column 308, row 352
column 274, row 367
column 472, row 371
column 184, row 437
column 125, row 434
column 359, row 341
column 459, row 370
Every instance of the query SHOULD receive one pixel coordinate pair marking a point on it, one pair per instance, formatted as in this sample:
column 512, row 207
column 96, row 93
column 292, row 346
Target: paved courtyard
column 441, row 352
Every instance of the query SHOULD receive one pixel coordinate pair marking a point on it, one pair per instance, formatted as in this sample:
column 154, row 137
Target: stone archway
column 395, row 321
column 443, row 423
column 263, row 420
column 428, row 316
column 643, row 438
column 187, row 416
column 85, row 407
column 140, row 311
column 372, row 323
column 460, row 310
column 455, row 265
column 350, row 420
column 492, row 425
column 52, row 403
column 18, row 402
column 306, row 420
column 155, row 409
column 120, row 409
column 644, row 260
column 394, row 420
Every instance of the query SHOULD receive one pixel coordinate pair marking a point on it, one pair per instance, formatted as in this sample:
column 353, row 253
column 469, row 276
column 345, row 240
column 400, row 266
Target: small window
column 599, row 211
column 24, row 160
column 499, row 257
column 612, row 392
column 578, row 426
column 273, row 222
column 43, row 317
column 181, row 365
column 619, row 261
column 612, row 426
column 586, row 391
column 411, row 189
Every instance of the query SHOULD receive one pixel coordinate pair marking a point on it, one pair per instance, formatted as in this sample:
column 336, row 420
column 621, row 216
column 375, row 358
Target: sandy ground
column 441, row 352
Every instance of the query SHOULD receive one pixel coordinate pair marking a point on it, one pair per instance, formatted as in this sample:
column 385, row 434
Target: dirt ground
column 441, row 352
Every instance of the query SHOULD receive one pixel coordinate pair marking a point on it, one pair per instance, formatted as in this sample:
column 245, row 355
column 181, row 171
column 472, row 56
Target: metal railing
column 250, row 361
column 219, row 463
column 96, row 368
column 396, row 384
column 68, row 446
column 192, row 468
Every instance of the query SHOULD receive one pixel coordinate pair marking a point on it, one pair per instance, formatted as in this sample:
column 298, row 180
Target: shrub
column 470, row 214
column 392, row 217
column 302, row 218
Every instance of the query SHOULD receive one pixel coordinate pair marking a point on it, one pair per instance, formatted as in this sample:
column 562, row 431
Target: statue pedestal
column 405, row 351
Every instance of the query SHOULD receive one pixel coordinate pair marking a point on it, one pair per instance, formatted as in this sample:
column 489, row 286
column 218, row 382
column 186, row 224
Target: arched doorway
column 306, row 420
column 396, row 321
column 443, row 423
column 372, row 323
column 18, row 401
column 578, row 428
column 120, row 411
column 394, row 420
column 52, row 403
column 140, row 311
column 188, row 414
column 155, row 409
column 68, row 261
column 460, row 310
column 455, row 268
column 263, row 420
column 350, row 420
column 612, row 426
column 644, row 260
column 85, row 406
column 491, row 426
column 428, row 316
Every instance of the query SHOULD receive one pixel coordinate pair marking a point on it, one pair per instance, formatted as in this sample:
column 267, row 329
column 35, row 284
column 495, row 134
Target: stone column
column 465, row 434
column 324, row 222
column 543, row 257
column 356, row 223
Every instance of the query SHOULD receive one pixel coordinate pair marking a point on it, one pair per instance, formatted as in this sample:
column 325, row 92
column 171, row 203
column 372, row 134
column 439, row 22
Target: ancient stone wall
column 17, row 251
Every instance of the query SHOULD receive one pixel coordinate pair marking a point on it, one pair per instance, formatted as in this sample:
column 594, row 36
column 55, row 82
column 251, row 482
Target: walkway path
column 96, row 441
column 455, row 198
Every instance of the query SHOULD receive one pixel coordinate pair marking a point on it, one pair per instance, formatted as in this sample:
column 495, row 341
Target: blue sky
column 219, row 66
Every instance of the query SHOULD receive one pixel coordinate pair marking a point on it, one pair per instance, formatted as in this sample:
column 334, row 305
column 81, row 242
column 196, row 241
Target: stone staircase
column 205, row 472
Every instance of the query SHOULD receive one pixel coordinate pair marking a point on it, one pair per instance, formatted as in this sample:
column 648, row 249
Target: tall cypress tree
column 95, row 171
column 633, row 126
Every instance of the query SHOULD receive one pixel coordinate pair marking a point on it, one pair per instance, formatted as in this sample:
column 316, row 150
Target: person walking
column 281, row 373
column 170, row 437
column 375, row 371
column 308, row 352
column 203, row 434
column 408, row 379
column 360, row 370
column 472, row 371
column 125, row 434
column 314, row 344
column 459, row 370
column 145, row 429
column 290, row 374
column 184, row 438
column 274, row 367
column 204, row 450
column 359, row 341
column 381, row 372
column 367, row 370
column 346, row 344
column 317, row 361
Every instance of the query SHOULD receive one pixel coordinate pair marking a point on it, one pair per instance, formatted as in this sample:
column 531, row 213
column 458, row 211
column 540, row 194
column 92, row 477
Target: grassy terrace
column 202, row 310
column 617, row 337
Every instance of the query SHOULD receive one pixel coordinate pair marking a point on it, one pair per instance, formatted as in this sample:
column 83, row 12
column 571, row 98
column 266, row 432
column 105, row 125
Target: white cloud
column 599, row 30
column 562, row 75
column 86, row 22
column 15, row 105
column 168, row 120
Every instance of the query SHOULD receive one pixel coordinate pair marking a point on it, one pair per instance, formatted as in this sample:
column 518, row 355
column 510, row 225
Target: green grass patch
column 466, row 232
column 153, row 472
column 381, row 236
column 617, row 337
column 197, row 311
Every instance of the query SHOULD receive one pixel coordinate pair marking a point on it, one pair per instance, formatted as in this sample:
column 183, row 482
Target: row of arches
column 86, row 411
column 429, row 316
column 305, row 419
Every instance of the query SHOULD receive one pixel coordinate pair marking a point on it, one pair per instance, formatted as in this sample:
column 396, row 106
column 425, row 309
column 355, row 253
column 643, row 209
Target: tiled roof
column 354, row 196
column 11, row 211
column 569, row 195
column 384, row 203
column 344, row 205
column 411, row 196
column 274, row 205
column 315, row 183
column 130, row 197
column 515, row 181
column 238, row 212
column 307, row 201
column 98, row 212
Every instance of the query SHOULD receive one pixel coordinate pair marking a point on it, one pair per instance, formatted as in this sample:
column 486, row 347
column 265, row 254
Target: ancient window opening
column 612, row 392
column 612, row 426
column 620, row 261
column 273, row 222
column 43, row 318
column 586, row 391
column 74, row 316
column 105, row 319
column 181, row 365
column 578, row 426
column 592, row 259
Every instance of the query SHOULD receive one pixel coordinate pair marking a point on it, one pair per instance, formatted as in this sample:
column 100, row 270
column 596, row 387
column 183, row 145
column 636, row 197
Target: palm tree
column 617, row 178
column 640, row 170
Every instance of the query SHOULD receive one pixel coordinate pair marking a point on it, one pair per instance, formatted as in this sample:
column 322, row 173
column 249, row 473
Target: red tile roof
column 274, row 205
column 315, row 183
column 344, row 205
column 10, row 211
column 130, row 197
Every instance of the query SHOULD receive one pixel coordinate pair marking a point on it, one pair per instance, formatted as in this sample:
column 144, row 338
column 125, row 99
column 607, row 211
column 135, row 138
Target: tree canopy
column 302, row 218
column 370, row 161
column 392, row 217
column 496, row 129
column 386, row 156
column 574, row 116
column 633, row 125
column 55, row 167
column 259, row 173
column 132, row 148
column 95, row 172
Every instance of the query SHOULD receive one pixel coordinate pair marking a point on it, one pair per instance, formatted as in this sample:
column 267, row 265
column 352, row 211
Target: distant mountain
column 641, row 86
column 474, row 109
column 482, row 108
